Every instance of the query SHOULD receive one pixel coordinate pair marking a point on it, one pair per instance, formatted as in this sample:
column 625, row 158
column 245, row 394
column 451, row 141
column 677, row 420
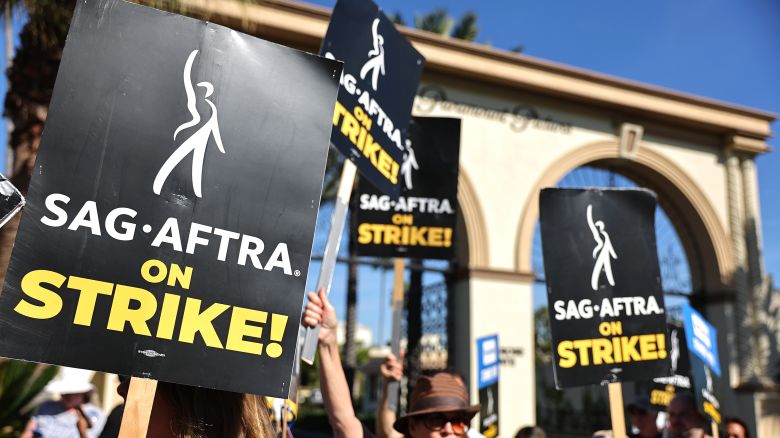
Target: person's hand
column 320, row 311
column 391, row 368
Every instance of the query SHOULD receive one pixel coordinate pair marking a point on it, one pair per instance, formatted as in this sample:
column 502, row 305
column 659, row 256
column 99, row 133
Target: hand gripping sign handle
column 331, row 251
column 395, row 341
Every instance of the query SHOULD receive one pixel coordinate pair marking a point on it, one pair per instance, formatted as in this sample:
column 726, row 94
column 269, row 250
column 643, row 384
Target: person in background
column 644, row 418
column 438, row 406
column 392, row 370
column 530, row 432
column 72, row 416
column 685, row 421
column 181, row 411
column 736, row 428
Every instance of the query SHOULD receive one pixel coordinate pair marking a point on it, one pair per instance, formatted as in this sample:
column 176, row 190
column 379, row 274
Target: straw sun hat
column 71, row 381
column 442, row 392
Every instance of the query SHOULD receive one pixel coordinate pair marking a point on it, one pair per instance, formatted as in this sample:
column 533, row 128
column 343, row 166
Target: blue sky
column 727, row 50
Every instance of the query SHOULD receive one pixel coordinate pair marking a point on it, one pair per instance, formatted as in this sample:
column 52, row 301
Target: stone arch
column 703, row 237
column 473, row 219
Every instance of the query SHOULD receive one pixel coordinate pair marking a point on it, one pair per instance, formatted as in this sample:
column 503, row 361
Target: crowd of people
column 439, row 405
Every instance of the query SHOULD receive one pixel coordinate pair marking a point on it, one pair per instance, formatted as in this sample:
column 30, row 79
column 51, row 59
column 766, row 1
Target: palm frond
column 437, row 21
column 466, row 29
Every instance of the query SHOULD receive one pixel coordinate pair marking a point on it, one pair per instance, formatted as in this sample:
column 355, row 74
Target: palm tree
column 440, row 22
column 30, row 85
column 20, row 383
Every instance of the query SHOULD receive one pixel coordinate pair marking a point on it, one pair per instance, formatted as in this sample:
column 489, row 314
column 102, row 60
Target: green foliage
column 20, row 382
column 466, row 29
column 543, row 341
column 397, row 18
column 440, row 22
column 437, row 21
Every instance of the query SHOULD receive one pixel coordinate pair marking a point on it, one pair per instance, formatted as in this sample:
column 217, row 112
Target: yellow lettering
column 175, row 275
column 146, row 271
column 583, row 345
column 566, row 356
column 338, row 111
column 170, row 308
column 647, row 347
column 350, row 127
column 602, row 352
column 240, row 329
column 365, row 234
column 392, row 235
column 31, row 286
column 435, row 236
column 90, row 289
column 121, row 313
column 371, row 149
column 194, row 321
column 385, row 164
column 628, row 345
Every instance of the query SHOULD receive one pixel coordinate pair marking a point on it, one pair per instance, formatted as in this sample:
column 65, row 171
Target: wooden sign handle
column 616, row 410
column 395, row 341
column 138, row 408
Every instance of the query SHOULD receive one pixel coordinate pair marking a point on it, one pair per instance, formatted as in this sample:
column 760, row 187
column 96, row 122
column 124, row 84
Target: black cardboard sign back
column 664, row 388
column 381, row 74
column 607, row 316
column 421, row 223
column 173, row 203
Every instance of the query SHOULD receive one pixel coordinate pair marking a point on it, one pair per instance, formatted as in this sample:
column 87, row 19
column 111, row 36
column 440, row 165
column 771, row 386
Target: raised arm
column 333, row 382
column 391, row 370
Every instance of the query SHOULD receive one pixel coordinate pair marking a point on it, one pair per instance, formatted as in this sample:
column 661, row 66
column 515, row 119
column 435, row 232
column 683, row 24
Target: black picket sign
column 420, row 223
column 607, row 316
column 381, row 74
column 173, row 203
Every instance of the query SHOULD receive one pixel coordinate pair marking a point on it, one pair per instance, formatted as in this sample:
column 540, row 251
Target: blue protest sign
column 487, row 360
column 701, row 338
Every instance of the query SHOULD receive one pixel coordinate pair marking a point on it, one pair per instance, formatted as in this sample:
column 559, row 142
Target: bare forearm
column 385, row 417
column 335, row 393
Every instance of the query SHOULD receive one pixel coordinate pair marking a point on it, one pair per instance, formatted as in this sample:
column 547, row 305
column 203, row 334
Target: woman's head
column 206, row 413
column 181, row 411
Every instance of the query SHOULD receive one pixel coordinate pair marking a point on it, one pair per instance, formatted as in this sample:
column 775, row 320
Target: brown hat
column 442, row 392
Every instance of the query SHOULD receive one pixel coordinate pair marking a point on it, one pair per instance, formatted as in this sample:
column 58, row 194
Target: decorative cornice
column 747, row 145
column 506, row 275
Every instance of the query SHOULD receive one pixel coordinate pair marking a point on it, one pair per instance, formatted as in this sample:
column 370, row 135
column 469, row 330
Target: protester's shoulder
column 93, row 411
column 50, row 408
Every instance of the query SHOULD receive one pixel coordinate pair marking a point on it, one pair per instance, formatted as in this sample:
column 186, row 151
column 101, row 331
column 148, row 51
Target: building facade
column 526, row 123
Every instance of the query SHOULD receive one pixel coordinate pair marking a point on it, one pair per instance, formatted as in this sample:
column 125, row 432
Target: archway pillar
column 488, row 302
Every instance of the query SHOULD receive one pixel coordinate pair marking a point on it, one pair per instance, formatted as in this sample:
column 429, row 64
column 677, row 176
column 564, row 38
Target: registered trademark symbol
column 297, row 273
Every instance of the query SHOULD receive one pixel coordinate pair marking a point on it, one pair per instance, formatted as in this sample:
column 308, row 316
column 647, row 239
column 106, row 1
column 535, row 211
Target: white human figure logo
column 675, row 350
column 197, row 142
column 708, row 378
column 602, row 253
column 410, row 162
column 490, row 401
column 376, row 64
